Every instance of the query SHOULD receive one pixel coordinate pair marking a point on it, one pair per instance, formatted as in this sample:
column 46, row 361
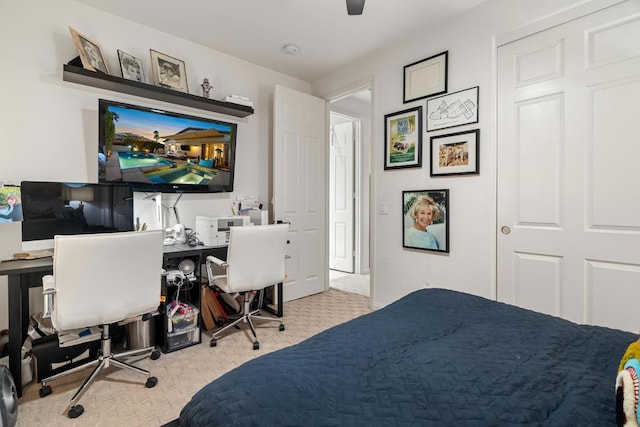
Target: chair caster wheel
column 75, row 411
column 281, row 328
column 256, row 345
column 155, row 355
column 45, row 391
column 151, row 382
column 213, row 342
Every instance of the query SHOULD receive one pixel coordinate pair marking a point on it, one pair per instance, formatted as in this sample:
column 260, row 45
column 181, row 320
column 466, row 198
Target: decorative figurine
column 206, row 87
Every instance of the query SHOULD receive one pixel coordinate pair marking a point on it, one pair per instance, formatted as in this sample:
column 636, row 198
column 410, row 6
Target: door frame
column 367, row 137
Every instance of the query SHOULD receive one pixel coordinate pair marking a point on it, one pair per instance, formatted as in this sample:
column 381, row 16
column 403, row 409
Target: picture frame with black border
column 453, row 109
column 168, row 71
column 131, row 67
column 425, row 220
column 403, row 139
column 426, row 77
column 455, row 153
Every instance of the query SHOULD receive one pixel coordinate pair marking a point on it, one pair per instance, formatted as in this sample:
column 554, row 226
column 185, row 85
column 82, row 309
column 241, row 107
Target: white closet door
column 568, row 169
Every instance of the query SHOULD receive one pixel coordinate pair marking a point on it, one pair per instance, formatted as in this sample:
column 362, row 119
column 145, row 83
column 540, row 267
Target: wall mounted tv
column 163, row 151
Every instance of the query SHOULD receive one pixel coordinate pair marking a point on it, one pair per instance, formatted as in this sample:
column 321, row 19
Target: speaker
column 8, row 399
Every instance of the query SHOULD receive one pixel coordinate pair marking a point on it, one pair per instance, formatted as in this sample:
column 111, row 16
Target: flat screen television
column 52, row 208
column 162, row 151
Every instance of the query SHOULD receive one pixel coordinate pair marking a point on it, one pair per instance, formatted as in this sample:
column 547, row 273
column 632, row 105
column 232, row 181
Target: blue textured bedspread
column 433, row 358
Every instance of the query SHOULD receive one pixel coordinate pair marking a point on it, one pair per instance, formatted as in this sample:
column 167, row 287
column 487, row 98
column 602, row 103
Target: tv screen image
column 157, row 150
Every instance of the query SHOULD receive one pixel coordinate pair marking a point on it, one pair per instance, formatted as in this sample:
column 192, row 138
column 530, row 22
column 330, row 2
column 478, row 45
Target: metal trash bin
column 141, row 333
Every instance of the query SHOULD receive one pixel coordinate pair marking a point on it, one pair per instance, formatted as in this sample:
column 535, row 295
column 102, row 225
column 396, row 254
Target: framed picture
column 168, row 71
column 454, row 109
column 89, row 52
column 131, row 67
column 427, row 77
column 10, row 203
column 425, row 220
column 403, row 139
column 455, row 153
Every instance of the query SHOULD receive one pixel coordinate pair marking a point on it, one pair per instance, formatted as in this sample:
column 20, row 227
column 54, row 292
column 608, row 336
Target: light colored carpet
column 119, row 398
column 353, row 283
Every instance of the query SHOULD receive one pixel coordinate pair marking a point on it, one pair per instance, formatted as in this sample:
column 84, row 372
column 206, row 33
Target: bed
column 433, row 358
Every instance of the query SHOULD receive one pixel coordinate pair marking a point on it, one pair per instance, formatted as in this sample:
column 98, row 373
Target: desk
column 22, row 275
column 25, row 274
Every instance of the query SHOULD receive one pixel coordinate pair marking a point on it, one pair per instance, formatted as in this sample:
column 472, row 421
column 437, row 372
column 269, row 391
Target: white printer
column 214, row 230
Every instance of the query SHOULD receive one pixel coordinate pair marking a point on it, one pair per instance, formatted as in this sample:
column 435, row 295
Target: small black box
column 51, row 359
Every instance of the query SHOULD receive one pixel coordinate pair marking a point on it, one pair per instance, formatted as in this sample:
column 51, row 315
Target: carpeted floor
column 119, row 398
column 353, row 283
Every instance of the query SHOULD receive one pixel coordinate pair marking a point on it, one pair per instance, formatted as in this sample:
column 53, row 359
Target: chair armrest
column 48, row 290
column 215, row 260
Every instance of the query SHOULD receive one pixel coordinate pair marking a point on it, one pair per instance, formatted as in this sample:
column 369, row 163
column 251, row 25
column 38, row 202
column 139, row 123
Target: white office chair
column 100, row 279
column 255, row 260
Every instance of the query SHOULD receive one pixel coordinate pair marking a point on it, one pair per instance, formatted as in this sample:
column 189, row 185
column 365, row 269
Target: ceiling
column 257, row 30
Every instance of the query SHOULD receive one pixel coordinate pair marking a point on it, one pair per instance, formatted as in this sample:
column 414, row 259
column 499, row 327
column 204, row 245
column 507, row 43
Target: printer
column 214, row 230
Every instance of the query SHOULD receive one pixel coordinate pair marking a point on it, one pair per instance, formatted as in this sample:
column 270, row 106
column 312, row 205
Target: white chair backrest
column 105, row 278
column 256, row 256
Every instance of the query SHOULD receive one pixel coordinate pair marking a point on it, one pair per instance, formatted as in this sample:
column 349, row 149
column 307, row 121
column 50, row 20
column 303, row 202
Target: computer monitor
column 52, row 208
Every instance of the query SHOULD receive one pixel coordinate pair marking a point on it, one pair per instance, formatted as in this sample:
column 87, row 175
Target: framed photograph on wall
column 168, row 72
column 10, row 203
column 403, row 139
column 89, row 52
column 427, row 77
column 455, row 153
column 425, row 220
column 454, row 109
column 131, row 67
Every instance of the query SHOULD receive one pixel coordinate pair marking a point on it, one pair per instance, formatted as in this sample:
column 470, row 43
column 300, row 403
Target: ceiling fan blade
column 354, row 7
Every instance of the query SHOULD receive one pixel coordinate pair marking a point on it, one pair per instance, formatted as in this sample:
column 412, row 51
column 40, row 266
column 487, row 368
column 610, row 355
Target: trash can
column 141, row 333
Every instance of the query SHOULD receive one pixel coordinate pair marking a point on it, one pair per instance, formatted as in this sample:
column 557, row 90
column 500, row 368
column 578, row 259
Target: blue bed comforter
column 433, row 358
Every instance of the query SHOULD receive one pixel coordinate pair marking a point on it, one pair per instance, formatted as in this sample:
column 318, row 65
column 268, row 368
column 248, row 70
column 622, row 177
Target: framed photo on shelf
column 89, row 52
column 455, row 153
column 403, row 139
column 425, row 220
column 454, row 109
column 131, row 67
column 168, row 72
column 424, row 78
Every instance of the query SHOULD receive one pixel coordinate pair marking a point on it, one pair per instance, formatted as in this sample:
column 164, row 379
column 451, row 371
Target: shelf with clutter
column 75, row 73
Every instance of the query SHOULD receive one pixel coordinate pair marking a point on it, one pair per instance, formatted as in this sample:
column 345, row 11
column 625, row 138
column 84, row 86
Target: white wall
column 49, row 127
column 469, row 39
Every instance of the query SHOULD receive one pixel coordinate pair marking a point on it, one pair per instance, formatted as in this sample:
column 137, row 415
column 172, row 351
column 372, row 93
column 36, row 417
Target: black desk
column 22, row 275
column 26, row 274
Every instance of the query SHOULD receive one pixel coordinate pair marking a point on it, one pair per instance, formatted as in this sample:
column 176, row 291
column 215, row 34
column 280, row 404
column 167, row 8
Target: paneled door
column 568, row 169
column 300, row 188
column 341, row 203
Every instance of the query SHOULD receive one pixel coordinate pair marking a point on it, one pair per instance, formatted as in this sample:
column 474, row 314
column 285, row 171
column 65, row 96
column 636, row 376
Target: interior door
column 341, row 194
column 568, row 150
column 299, row 188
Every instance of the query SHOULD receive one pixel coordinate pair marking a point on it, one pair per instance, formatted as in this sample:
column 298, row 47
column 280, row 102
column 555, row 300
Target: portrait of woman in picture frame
column 89, row 52
column 131, row 67
column 425, row 222
column 168, row 72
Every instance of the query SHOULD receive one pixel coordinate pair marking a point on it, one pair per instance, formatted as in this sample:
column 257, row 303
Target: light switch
column 383, row 210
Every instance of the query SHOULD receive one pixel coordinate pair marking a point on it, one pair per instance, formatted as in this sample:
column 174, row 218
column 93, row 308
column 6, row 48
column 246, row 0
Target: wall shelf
column 100, row 80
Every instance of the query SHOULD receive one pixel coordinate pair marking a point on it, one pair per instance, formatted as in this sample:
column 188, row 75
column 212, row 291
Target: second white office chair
column 255, row 260
column 100, row 279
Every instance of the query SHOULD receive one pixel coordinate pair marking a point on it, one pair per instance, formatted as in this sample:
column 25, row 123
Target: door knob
column 505, row 229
